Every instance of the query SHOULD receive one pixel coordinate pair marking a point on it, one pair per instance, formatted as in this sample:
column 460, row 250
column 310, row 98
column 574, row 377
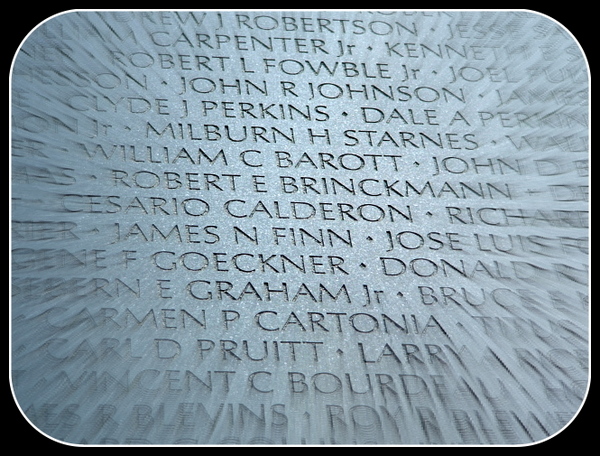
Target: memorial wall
column 299, row 227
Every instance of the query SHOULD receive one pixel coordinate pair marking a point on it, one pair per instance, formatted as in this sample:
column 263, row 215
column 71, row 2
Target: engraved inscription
column 299, row 227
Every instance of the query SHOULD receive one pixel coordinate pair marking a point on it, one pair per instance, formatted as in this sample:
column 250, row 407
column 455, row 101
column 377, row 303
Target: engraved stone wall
column 299, row 227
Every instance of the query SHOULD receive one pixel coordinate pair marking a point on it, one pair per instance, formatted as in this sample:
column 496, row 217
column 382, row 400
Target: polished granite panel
column 299, row 227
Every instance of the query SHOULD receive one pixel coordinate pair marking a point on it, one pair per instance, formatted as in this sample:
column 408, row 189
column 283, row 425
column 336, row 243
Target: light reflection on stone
column 300, row 227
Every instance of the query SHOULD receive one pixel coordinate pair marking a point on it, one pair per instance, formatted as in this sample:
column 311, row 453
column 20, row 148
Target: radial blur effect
column 309, row 227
